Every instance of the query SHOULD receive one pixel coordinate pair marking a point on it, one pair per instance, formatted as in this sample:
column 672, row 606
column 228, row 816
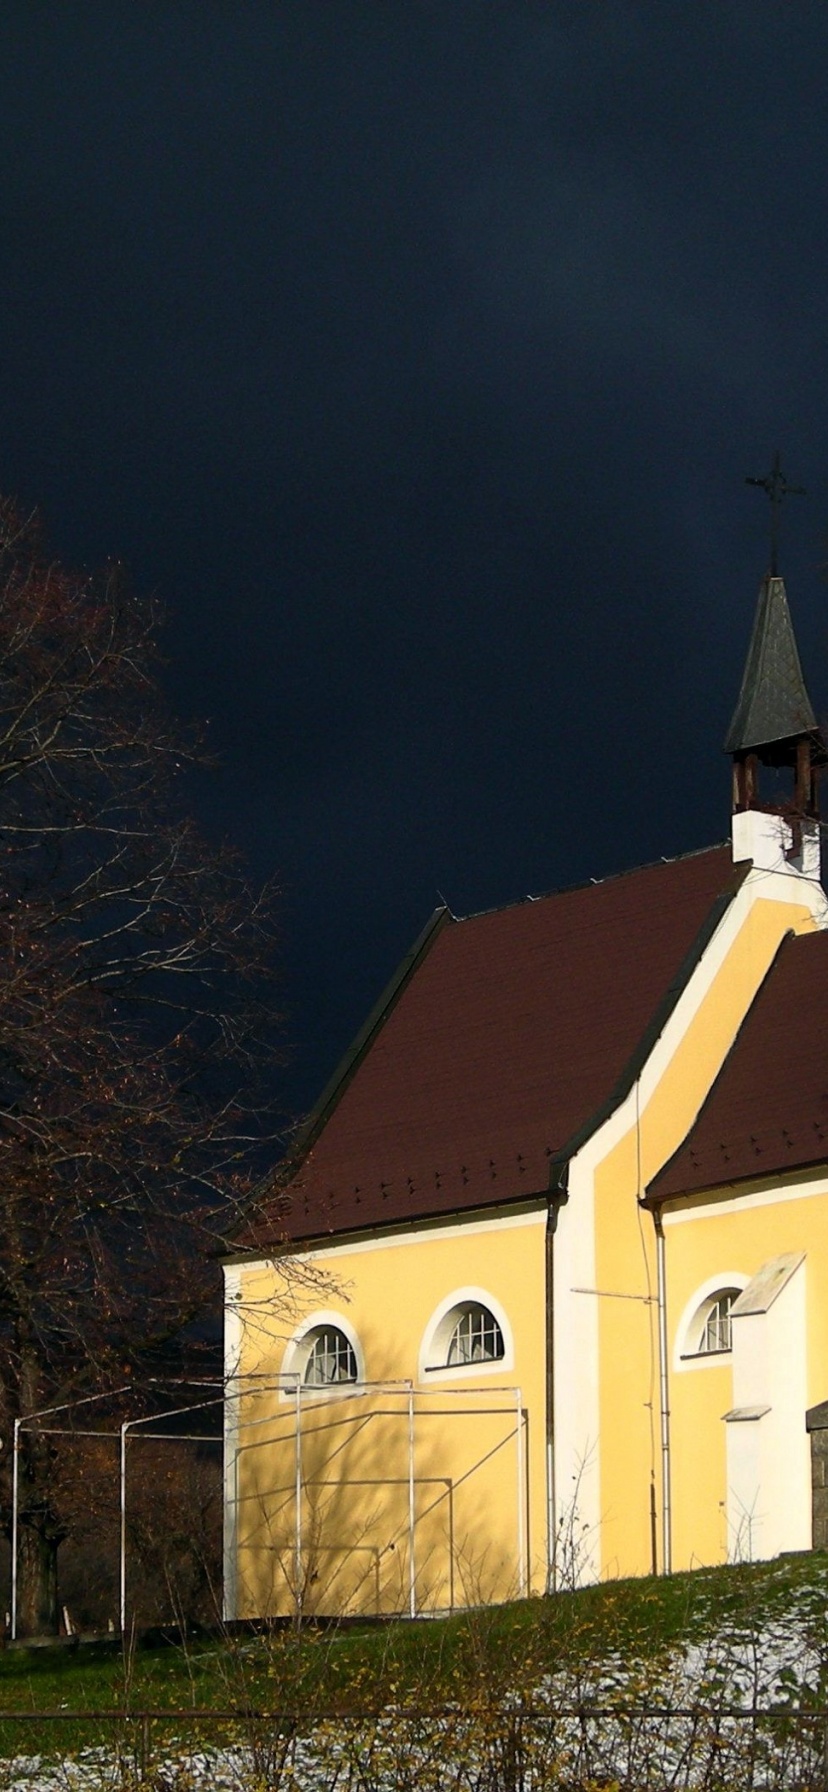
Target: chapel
column 540, row 1294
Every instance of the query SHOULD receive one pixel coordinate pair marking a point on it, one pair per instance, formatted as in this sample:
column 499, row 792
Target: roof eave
column 792, row 1167
column 284, row 1246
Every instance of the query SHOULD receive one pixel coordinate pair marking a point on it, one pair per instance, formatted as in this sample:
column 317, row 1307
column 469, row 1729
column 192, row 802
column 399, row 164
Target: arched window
column 324, row 1353
column 713, row 1330
column 330, row 1359
column 476, row 1337
column 704, row 1334
column 469, row 1334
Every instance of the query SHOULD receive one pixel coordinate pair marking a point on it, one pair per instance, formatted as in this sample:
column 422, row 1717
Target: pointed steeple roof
column 774, row 706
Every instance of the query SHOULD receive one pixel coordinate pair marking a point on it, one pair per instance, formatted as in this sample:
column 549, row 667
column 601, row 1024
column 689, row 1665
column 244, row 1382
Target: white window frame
column 297, row 1352
column 686, row 1353
column 433, row 1367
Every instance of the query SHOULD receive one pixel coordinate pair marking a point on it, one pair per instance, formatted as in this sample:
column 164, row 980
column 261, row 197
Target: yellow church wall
column 625, row 1255
column 737, row 1230
column 472, row 1533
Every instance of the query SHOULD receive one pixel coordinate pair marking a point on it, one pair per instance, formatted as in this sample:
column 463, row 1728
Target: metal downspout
column 556, row 1201
column 664, row 1398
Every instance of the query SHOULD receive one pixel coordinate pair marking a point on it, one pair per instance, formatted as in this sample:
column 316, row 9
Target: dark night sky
column 416, row 353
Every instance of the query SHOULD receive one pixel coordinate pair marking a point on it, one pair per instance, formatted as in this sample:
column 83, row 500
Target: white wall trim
column 499, row 1221
column 715, row 1202
column 233, row 1335
column 430, row 1373
column 577, row 1466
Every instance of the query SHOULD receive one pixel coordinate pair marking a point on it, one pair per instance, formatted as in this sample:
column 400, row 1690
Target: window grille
column 331, row 1359
column 476, row 1338
column 717, row 1330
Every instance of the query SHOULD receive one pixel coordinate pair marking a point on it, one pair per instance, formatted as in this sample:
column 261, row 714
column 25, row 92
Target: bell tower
column 774, row 725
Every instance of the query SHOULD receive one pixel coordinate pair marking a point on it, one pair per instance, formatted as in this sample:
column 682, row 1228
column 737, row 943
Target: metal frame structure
column 128, row 1425
column 32, row 1421
column 232, row 1390
column 290, row 1386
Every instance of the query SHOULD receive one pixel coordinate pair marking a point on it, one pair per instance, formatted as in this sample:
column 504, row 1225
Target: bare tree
column 136, row 1018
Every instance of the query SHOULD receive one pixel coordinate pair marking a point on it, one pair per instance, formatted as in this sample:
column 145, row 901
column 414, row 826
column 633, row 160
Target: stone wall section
column 817, row 1423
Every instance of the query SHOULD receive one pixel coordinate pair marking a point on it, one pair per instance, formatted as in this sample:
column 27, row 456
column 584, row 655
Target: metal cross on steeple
column 777, row 488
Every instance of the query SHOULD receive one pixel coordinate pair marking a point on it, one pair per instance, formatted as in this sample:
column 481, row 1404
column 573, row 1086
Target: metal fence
column 488, row 1747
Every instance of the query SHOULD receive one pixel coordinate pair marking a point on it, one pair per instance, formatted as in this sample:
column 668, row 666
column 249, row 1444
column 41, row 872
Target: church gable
column 767, row 1112
column 741, row 1209
column 515, row 1034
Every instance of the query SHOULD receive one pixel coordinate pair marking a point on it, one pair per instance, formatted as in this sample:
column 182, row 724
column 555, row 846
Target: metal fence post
column 145, row 1744
column 122, row 1563
column 15, row 1505
column 521, row 1495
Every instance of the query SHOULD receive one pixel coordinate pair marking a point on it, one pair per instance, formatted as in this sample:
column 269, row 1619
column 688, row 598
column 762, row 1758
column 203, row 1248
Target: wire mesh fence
column 485, row 1748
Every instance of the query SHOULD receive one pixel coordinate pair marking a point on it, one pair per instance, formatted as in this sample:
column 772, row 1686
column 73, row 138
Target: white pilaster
column 768, row 1458
column 770, row 842
column 232, row 1356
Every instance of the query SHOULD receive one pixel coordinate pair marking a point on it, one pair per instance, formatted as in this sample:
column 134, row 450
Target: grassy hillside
column 619, row 1631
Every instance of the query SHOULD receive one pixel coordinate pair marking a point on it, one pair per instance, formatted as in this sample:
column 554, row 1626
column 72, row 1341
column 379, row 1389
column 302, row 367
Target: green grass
column 475, row 1656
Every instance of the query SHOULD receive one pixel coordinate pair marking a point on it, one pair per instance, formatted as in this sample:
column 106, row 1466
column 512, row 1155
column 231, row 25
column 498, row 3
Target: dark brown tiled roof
column 768, row 1110
column 511, row 1034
